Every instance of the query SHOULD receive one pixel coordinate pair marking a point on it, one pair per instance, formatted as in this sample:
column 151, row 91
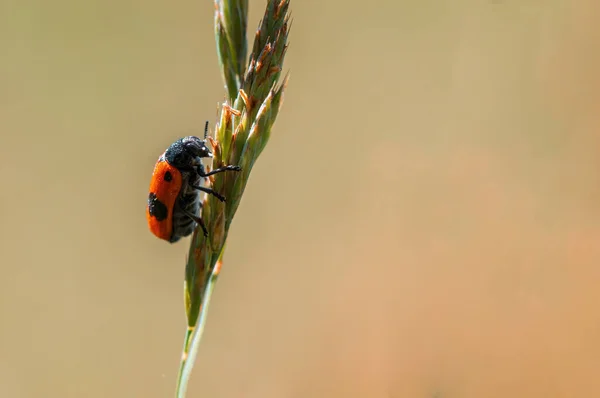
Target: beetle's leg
column 203, row 173
column 198, row 220
column 209, row 191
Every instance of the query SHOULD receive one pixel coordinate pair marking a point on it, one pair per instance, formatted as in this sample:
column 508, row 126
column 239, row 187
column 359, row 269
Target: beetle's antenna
column 206, row 130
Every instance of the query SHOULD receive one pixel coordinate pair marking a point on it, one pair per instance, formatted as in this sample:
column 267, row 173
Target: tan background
column 425, row 219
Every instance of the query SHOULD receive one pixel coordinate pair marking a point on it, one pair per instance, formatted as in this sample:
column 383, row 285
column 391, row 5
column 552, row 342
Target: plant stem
column 241, row 133
column 194, row 335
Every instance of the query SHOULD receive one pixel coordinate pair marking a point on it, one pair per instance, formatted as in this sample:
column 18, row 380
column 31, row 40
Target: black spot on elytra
column 156, row 208
column 168, row 176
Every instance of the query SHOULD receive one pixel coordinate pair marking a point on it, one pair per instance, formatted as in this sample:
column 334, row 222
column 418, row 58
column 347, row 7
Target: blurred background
column 423, row 223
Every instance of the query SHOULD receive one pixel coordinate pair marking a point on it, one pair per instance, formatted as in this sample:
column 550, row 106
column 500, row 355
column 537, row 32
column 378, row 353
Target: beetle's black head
column 186, row 153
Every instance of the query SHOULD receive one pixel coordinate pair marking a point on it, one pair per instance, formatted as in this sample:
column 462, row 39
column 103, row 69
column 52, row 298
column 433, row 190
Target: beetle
column 174, row 200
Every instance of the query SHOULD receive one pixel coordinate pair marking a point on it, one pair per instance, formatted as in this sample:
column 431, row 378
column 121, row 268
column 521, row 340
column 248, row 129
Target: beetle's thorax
column 187, row 153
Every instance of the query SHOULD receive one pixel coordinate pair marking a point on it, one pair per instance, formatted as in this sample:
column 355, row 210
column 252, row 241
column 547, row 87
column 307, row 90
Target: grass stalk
column 254, row 97
column 193, row 337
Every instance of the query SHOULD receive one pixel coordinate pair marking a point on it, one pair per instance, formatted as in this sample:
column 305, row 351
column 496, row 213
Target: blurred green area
column 424, row 220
